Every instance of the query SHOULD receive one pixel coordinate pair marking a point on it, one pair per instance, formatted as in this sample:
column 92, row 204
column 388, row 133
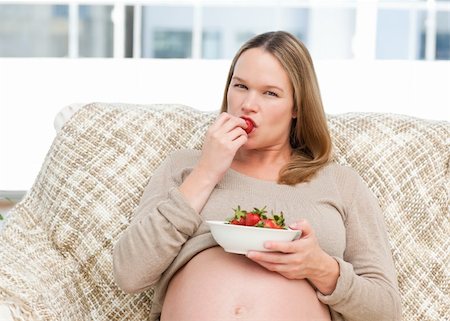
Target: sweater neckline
column 235, row 172
column 237, row 179
column 234, row 177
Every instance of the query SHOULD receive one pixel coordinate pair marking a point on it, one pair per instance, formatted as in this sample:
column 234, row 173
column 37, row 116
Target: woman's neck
column 262, row 164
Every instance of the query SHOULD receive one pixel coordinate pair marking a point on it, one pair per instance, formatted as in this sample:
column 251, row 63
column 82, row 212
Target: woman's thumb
column 303, row 226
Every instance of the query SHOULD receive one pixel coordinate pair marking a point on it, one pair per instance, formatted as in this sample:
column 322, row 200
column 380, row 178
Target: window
column 235, row 25
column 167, row 32
column 33, row 30
column 171, row 44
column 329, row 32
column 209, row 29
column 413, row 30
column 95, row 31
column 443, row 36
column 401, row 34
column 212, row 44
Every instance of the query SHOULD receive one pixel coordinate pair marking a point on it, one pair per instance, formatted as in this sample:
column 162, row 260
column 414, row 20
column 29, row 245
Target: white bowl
column 241, row 239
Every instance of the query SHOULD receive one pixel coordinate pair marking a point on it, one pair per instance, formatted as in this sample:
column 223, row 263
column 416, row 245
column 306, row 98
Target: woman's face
column 260, row 89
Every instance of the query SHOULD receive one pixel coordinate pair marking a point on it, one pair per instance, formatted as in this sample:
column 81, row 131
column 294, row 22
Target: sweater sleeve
column 367, row 286
column 162, row 223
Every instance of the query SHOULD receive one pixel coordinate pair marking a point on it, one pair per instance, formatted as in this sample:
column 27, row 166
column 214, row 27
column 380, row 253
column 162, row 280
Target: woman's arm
column 362, row 285
column 222, row 141
column 162, row 223
column 168, row 214
column 300, row 259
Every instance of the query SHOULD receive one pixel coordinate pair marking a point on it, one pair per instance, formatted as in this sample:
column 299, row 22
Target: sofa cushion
column 405, row 161
column 101, row 160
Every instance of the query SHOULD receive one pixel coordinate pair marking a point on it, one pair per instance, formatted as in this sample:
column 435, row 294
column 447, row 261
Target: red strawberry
column 252, row 219
column 239, row 217
column 255, row 216
column 269, row 223
column 277, row 222
column 279, row 219
column 240, row 221
column 250, row 125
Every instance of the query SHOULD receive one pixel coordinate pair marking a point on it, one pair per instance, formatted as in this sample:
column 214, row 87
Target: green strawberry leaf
column 238, row 213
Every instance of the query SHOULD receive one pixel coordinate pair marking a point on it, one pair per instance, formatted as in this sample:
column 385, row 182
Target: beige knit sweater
column 166, row 233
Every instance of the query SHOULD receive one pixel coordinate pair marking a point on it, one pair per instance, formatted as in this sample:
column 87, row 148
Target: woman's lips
column 250, row 124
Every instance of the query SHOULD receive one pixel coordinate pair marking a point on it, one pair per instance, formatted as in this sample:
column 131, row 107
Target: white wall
column 32, row 91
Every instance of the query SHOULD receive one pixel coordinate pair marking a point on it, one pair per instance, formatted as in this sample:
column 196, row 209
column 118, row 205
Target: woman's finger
column 219, row 121
column 275, row 267
column 303, row 226
column 231, row 123
column 236, row 133
column 282, row 246
column 268, row 257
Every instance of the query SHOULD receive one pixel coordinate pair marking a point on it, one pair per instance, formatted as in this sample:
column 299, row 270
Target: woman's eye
column 271, row 93
column 240, row 86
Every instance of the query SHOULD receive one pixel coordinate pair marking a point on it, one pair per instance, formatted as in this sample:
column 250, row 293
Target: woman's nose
column 250, row 102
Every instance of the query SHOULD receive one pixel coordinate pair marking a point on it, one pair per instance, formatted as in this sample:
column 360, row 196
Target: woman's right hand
column 223, row 139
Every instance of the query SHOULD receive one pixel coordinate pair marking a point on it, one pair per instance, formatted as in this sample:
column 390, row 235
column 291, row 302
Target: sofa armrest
column 64, row 115
column 55, row 257
column 33, row 274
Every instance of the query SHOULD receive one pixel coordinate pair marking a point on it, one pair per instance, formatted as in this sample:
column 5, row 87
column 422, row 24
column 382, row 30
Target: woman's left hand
column 302, row 258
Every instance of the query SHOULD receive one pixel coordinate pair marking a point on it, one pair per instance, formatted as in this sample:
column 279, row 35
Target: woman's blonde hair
column 309, row 135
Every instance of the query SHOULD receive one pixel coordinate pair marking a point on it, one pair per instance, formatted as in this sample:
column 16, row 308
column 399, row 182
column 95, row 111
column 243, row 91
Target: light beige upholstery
column 55, row 258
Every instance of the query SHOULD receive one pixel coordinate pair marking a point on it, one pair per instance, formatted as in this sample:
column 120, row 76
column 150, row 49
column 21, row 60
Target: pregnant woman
column 270, row 146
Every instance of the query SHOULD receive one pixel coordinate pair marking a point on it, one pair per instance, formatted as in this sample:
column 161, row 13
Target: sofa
column 56, row 245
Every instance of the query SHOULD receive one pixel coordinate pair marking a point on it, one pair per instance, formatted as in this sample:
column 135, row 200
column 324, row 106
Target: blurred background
column 215, row 29
column 370, row 56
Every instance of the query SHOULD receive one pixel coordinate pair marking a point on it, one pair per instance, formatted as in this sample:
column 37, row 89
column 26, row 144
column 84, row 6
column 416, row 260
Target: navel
column 239, row 311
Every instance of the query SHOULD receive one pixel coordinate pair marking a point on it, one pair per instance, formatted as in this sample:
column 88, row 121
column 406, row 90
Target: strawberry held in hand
column 250, row 125
column 257, row 218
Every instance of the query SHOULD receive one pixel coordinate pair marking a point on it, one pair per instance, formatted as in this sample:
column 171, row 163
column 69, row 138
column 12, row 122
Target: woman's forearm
column 327, row 280
column 197, row 188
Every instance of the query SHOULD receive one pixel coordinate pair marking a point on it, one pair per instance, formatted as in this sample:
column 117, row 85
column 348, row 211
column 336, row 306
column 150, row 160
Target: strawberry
column 277, row 222
column 250, row 125
column 279, row 219
column 252, row 219
column 239, row 216
column 269, row 223
column 255, row 216
column 240, row 221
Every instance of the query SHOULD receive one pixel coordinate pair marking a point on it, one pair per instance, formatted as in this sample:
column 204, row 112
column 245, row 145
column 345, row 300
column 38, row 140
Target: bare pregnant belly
column 219, row 286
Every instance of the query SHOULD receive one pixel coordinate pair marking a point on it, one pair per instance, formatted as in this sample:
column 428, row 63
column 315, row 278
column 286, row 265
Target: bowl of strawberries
column 248, row 230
